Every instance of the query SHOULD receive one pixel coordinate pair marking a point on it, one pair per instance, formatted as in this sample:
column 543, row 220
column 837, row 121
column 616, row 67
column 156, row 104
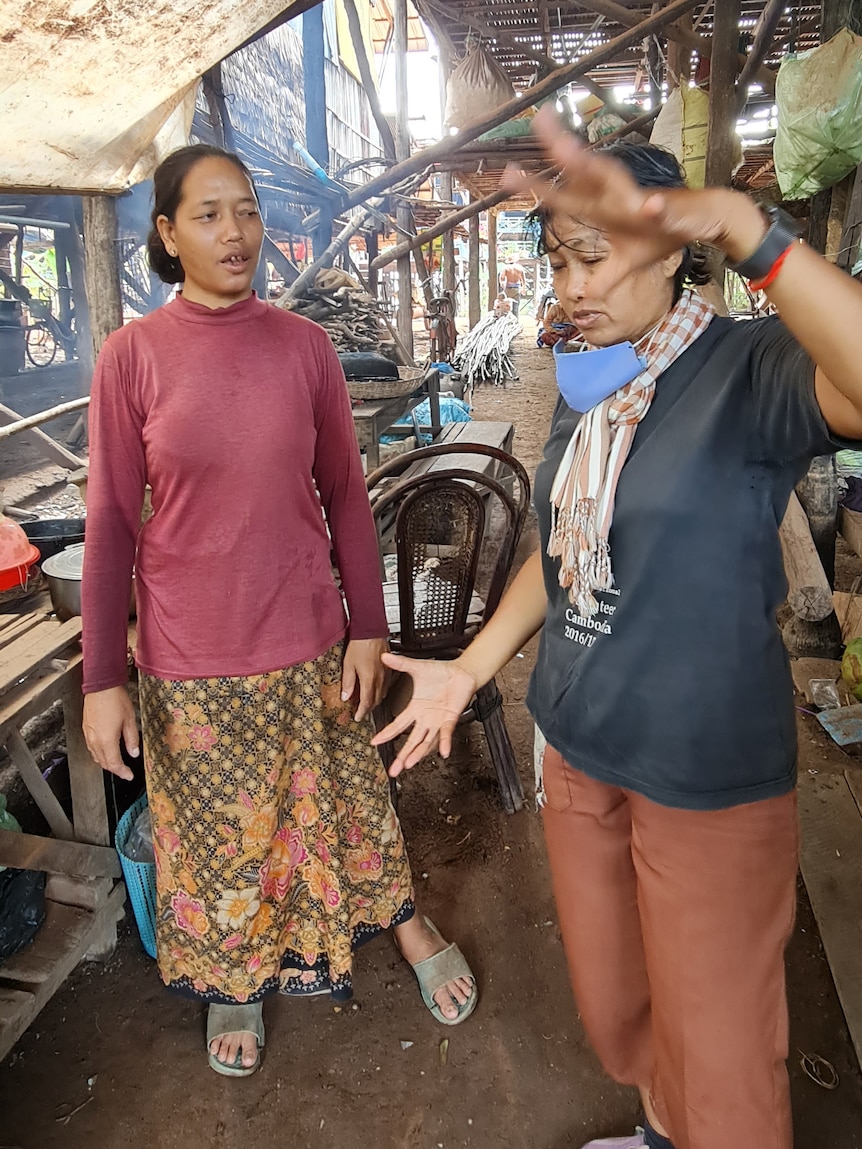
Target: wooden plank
column 34, row 696
column 47, row 641
column 68, row 935
column 30, row 852
column 19, row 625
column 40, row 791
column 831, row 861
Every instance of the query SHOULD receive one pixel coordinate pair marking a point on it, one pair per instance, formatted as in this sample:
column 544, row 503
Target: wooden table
column 373, row 418
column 40, row 663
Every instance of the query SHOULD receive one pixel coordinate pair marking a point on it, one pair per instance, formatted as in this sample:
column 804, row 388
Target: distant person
column 277, row 848
column 502, row 305
column 513, row 282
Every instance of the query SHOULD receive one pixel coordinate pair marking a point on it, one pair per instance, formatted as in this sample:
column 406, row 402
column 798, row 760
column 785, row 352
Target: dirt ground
column 114, row 1061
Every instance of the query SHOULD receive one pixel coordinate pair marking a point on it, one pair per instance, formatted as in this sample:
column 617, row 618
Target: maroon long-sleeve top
column 240, row 421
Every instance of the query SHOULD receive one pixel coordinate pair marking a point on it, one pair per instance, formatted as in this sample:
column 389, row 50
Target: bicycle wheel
column 40, row 346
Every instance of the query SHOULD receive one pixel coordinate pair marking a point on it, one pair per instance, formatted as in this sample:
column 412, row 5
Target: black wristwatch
column 782, row 233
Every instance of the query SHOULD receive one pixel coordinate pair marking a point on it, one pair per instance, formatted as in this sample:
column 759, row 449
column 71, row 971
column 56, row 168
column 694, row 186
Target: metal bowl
column 63, row 572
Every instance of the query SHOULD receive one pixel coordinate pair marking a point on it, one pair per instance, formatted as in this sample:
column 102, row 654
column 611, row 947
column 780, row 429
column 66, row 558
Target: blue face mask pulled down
column 587, row 378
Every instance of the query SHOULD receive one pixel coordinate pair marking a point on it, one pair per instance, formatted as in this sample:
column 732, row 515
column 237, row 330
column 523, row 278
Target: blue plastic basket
column 140, row 879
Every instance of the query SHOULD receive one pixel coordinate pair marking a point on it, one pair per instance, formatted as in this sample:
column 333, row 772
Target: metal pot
column 64, row 572
column 53, row 535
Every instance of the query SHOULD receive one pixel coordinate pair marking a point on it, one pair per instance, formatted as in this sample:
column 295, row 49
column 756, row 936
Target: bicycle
column 44, row 337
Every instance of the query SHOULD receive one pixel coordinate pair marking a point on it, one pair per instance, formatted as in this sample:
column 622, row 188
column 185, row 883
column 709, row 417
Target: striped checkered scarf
column 584, row 488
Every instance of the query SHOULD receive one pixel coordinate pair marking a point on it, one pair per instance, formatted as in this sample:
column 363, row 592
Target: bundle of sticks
column 483, row 354
column 338, row 303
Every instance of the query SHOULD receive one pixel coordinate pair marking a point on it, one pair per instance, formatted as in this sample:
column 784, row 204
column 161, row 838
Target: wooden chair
column 456, row 530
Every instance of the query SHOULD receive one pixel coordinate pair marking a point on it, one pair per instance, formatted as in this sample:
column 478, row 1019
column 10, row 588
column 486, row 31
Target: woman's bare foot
column 226, row 1047
column 416, row 943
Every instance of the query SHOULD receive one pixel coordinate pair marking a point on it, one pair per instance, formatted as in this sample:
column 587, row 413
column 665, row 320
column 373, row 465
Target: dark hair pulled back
column 651, row 167
column 168, row 180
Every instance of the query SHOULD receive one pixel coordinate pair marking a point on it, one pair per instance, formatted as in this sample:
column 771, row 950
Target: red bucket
column 17, row 555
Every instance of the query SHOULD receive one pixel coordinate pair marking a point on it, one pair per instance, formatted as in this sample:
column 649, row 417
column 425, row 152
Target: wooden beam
column 368, row 80
column 40, row 791
column 314, row 98
column 501, row 36
column 764, row 34
column 30, row 852
column 511, row 108
column 848, row 251
column 721, row 136
column 473, row 267
column 493, row 285
column 403, row 214
column 679, row 32
column 445, row 224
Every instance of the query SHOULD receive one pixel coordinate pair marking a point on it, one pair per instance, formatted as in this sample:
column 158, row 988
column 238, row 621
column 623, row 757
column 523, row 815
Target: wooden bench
column 40, row 663
column 488, row 434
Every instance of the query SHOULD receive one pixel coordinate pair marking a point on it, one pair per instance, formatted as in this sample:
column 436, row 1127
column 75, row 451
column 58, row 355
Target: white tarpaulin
column 94, row 92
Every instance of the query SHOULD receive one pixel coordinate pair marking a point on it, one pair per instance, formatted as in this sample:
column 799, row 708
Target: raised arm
column 820, row 304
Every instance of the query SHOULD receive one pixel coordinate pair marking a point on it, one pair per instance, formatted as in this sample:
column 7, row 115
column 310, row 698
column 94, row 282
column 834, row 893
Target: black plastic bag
column 22, row 909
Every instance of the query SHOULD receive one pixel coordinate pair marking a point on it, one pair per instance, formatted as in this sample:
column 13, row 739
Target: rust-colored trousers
column 675, row 924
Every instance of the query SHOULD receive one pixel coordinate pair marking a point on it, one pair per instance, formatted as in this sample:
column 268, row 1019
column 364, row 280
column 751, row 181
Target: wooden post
column 722, row 94
column 473, row 273
column 450, row 277
column 101, row 268
column 493, row 286
column 403, row 215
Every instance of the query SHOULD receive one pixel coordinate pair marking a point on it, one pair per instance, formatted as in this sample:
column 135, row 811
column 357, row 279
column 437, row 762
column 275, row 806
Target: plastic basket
column 140, row 879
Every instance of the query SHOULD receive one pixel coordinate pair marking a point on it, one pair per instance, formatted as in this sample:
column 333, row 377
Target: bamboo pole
column 547, row 87
column 44, row 417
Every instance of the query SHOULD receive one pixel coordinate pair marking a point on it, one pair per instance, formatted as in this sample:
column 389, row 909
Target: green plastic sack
column 819, row 98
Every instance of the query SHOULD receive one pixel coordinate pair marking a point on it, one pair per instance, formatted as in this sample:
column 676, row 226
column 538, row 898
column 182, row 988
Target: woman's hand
column 363, row 668
column 109, row 716
column 642, row 225
column 441, row 693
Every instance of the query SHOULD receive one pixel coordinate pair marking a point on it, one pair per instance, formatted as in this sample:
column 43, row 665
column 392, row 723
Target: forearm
column 518, row 617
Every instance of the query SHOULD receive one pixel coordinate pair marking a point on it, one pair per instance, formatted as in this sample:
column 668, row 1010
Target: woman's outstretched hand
column 643, row 225
column 442, row 691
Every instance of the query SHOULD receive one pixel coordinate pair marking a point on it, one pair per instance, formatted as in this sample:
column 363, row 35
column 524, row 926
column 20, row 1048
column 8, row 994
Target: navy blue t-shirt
column 679, row 688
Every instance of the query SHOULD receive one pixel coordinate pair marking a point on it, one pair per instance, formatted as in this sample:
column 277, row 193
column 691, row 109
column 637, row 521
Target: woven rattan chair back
column 438, row 539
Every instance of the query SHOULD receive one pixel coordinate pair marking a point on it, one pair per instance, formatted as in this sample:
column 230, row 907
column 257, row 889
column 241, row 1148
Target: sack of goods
column 476, row 87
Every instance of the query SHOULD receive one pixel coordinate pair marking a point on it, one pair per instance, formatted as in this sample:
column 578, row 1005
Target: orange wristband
column 772, row 274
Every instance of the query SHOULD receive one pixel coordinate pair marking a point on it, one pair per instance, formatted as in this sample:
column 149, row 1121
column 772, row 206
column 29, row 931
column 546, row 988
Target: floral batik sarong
column 277, row 848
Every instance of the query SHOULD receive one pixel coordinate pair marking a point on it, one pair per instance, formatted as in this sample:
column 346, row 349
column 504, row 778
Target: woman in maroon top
column 277, row 847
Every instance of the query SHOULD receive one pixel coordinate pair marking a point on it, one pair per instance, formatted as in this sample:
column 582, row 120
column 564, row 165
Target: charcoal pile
column 338, row 303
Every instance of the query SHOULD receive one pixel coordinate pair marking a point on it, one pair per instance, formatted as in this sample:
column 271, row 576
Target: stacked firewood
column 338, row 303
